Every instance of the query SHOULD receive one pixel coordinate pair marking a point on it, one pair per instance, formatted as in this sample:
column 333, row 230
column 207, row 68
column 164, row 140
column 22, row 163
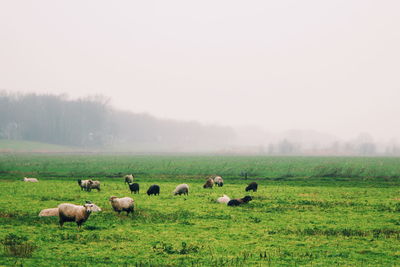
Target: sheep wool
column 181, row 189
column 122, row 204
column 48, row 212
column 209, row 183
column 33, row 180
column 218, row 181
column 128, row 178
column 224, row 199
column 74, row 213
column 94, row 185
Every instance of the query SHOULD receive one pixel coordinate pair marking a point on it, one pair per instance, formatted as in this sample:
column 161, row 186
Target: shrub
column 18, row 246
column 161, row 247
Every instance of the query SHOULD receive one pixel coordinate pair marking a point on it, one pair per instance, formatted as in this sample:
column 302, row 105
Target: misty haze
column 91, row 124
column 283, row 77
column 199, row 133
column 275, row 78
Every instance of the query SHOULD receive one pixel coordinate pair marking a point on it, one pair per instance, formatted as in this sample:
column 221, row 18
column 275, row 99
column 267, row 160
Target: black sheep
column 134, row 187
column 153, row 190
column 239, row 201
column 252, row 186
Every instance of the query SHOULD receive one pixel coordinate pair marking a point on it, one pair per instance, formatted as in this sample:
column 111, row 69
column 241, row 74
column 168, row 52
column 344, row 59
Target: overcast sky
column 332, row 66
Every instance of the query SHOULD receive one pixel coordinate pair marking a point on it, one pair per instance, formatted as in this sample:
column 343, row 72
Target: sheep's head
column 89, row 207
column 95, row 207
column 112, row 198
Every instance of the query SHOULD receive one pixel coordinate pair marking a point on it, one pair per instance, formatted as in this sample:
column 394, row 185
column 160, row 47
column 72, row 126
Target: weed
column 160, row 247
column 18, row 246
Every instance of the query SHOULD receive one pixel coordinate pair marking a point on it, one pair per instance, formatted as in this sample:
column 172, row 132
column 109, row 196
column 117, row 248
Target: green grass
column 299, row 216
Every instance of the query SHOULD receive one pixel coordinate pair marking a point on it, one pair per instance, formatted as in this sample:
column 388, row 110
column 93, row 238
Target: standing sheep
column 73, row 213
column 252, row 186
column 224, row 199
column 55, row 212
column 84, row 184
column 209, row 183
column 218, row 181
column 181, row 189
column 94, row 185
column 134, row 188
column 153, row 190
column 33, row 180
column 239, row 201
column 122, row 204
column 128, row 178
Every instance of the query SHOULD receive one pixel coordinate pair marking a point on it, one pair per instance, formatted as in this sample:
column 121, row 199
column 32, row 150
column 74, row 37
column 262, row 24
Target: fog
column 322, row 75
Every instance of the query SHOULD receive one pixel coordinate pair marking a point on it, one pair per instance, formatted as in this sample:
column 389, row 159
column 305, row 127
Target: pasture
column 308, row 211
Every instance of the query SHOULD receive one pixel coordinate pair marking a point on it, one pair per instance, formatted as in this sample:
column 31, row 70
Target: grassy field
column 309, row 211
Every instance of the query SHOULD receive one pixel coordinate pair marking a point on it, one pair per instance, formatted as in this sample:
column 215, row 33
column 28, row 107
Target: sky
column 330, row 66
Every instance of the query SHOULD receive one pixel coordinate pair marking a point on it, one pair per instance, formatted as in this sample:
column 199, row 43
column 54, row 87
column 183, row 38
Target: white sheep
column 122, row 204
column 73, row 213
column 128, row 178
column 218, row 180
column 84, row 184
column 224, row 199
column 33, row 180
column 49, row 212
column 181, row 189
column 55, row 212
column 94, row 185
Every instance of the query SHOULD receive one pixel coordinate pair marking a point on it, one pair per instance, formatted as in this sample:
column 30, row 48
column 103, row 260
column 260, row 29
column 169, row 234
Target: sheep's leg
column 61, row 223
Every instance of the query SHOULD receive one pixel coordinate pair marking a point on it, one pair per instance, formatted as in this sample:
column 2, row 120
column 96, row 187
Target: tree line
column 92, row 122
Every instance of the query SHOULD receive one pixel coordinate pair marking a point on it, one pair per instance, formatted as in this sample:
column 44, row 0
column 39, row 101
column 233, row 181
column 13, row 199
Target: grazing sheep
column 153, row 190
column 128, row 178
column 73, row 213
column 33, row 180
column 48, row 212
column 218, row 181
column 224, row 199
column 122, row 204
column 93, row 185
column 252, row 186
column 209, row 183
column 181, row 189
column 134, row 187
column 239, row 201
column 84, row 184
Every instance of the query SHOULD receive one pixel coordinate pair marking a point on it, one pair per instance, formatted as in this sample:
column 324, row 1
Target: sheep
column 153, row 190
column 224, row 199
column 55, row 212
column 84, row 184
column 48, row 212
column 218, row 181
column 122, row 204
column 128, row 179
column 33, row 180
column 209, row 183
column 239, row 201
column 93, row 185
column 73, row 213
column 134, row 187
column 181, row 189
column 252, row 186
